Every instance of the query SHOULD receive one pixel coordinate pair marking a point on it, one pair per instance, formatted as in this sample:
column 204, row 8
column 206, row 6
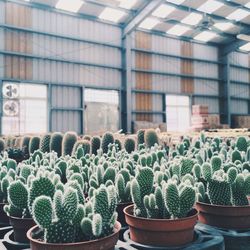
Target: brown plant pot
column 231, row 217
column 161, row 232
column 20, row 228
column 4, row 219
column 107, row 243
column 121, row 215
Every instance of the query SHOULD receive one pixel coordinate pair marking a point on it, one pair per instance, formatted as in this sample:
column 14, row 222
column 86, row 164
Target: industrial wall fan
column 10, row 90
column 10, row 108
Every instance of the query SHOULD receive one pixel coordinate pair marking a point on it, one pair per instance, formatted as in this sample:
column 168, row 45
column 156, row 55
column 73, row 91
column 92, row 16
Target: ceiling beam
column 140, row 16
column 215, row 17
column 234, row 4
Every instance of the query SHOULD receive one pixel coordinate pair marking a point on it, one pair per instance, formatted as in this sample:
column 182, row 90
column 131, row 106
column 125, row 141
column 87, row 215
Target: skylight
column 192, row 19
column 72, row 5
column 205, row 36
column 149, row 23
column 210, row 6
column 112, row 15
column 224, row 26
column 127, row 4
column 245, row 47
column 238, row 14
column 176, row 1
column 178, row 30
column 163, row 11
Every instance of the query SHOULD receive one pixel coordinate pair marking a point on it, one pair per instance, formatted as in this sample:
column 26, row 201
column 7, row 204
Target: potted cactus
column 64, row 223
column 223, row 184
column 21, row 197
column 162, row 215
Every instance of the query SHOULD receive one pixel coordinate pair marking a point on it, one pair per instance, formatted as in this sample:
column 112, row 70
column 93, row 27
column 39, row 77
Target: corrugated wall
column 240, row 83
column 56, row 48
column 174, row 72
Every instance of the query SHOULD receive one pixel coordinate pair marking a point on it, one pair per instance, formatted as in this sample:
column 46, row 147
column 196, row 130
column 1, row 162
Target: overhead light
column 127, row 4
column 111, row 14
column 149, row 23
column 247, row 5
column 72, row 5
column 224, row 26
column 205, row 36
column 163, row 11
column 210, row 6
column 178, row 30
column 245, row 47
column 176, row 1
column 238, row 15
column 192, row 19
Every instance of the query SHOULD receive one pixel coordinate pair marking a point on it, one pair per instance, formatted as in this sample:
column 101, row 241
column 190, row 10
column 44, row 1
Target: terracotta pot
column 107, row 243
column 224, row 216
column 161, row 232
column 4, row 219
column 20, row 228
column 121, row 215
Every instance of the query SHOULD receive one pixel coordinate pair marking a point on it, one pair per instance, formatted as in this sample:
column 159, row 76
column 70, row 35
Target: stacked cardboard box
column 214, row 121
column 241, row 121
column 199, row 119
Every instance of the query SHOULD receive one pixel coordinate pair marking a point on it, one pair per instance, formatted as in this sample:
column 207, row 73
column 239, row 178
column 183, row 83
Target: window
column 26, row 110
column 101, row 110
column 178, row 113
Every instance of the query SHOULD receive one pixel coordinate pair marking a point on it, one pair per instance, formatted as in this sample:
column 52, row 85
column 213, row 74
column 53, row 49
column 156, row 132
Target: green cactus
column 68, row 142
column 216, row 163
column 25, row 141
column 186, row 166
column 107, row 139
column 236, row 155
column 45, row 143
column 140, row 136
column 56, row 143
column 2, row 145
column 95, row 144
column 123, row 188
column 118, row 144
column 34, row 144
column 129, row 145
column 151, row 138
column 241, row 144
column 84, row 144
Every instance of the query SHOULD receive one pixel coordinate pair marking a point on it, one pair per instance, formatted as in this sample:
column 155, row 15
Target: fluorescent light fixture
column 163, row 11
column 192, row 19
column 245, row 47
column 178, row 30
column 210, row 6
column 127, row 4
column 238, row 14
column 72, row 5
column 224, row 26
column 176, row 1
column 111, row 14
column 149, row 23
column 205, row 36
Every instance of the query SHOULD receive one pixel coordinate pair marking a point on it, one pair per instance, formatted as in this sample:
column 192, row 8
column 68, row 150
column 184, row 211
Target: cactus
column 69, row 139
column 34, row 144
column 123, row 187
column 151, row 138
column 45, row 143
column 2, row 145
column 129, row 145
column 118, row 144
column 186, row 166
column 25, row 144
column 95, row 144
column 216, row 163
column 56, row 143
column 140, row 136
column 236, row 155
column 107, row 139
column 84, row 144
column 241, row 144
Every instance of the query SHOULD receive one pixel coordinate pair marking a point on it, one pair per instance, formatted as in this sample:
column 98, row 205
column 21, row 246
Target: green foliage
column 107, row 139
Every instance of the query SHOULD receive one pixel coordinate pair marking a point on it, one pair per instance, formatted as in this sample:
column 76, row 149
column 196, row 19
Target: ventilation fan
column 10, row 90
column 10, row 108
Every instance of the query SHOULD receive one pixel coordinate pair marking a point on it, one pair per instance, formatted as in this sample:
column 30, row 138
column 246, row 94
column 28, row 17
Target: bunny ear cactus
column 45, row 143
column 129, row 145
column 118, row 144
column 56, row 143
column 140, row 136
column 68, row 142
column 242, row 144
column 236, row 155
column 34, row 144
column 216, row 163
column 186, row 166
column 107, row 139
column 151, row 138
column 123, row 189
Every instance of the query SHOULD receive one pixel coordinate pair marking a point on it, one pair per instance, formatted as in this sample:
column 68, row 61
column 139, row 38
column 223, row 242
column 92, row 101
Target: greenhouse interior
column 124, row 125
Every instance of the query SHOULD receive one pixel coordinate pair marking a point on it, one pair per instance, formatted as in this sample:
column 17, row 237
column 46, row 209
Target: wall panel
column 212, row 103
